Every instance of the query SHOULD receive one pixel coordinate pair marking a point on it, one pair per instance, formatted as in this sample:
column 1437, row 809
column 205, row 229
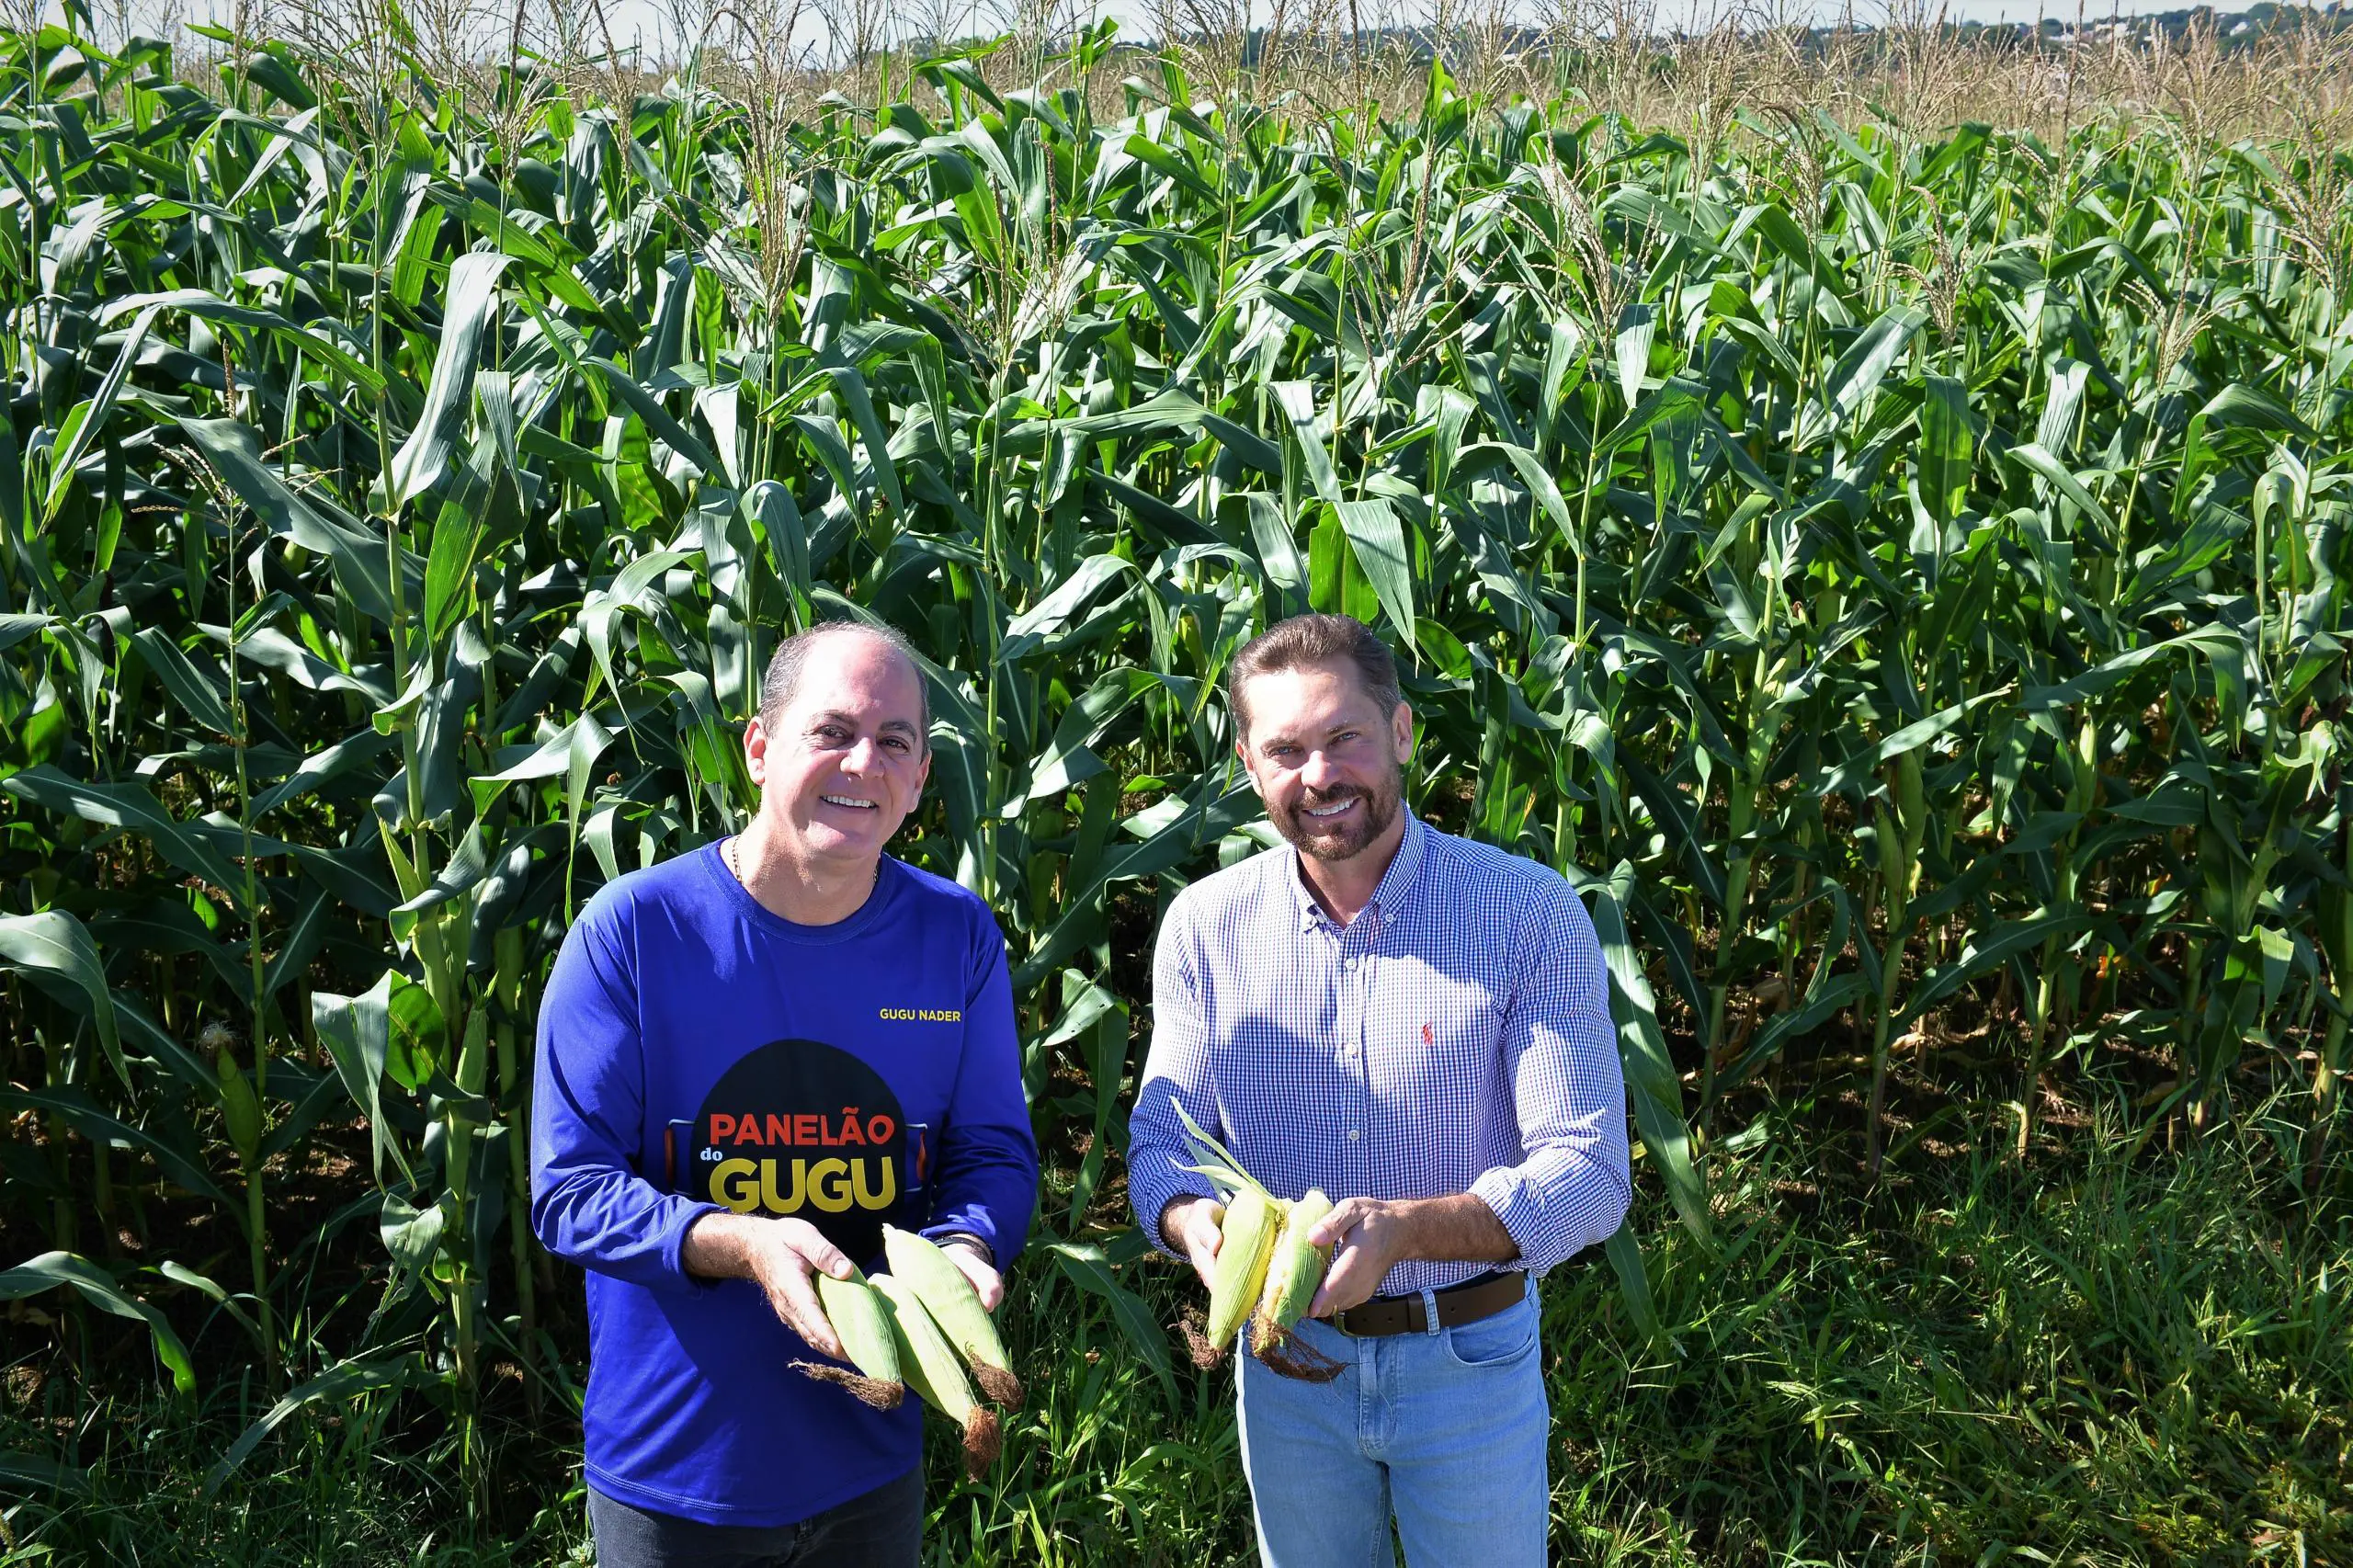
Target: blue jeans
column 1446, row 1430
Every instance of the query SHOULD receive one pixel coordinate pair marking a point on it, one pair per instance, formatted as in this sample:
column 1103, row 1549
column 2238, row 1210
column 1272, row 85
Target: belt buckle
column 1340, row 1323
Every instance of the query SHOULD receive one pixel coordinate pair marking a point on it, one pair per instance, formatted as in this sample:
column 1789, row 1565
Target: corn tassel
column 956, row 1307
column 862, row 1323
column 937, row 1373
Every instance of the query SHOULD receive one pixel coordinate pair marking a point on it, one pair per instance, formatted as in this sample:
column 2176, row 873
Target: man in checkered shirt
column 1419, row 1025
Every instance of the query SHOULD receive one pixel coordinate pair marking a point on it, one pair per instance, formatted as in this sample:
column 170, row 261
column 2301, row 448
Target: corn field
column 1895, row 570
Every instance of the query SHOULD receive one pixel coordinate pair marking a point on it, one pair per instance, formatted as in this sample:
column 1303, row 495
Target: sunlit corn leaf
column 53, row 1271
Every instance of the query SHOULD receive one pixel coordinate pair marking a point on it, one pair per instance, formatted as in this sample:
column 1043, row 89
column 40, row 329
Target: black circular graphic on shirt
column 804, row 1129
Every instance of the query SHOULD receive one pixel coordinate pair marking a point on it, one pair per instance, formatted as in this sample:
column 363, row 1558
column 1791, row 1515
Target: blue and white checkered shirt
column 1455, row 1037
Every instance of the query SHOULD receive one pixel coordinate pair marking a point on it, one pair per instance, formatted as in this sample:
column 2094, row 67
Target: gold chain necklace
column 735, row 869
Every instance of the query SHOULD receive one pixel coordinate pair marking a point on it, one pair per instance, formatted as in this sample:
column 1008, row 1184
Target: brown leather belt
column 1457, row 1304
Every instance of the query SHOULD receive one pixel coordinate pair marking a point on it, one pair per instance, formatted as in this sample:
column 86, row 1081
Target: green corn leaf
column 2036, row 461
column 852, row 388
column 1625, row 1255
column 53, row 1271
column 271, row 649
column 1278, row 547
column 1650, row 1075
column 2241, row 406
column 346, row 1379
column 182, row 1167
column 2213, row 641
column 1089, row 1266
column 53, row 943
column 359, row 561
column 89, row 419
column 1376, row 539
column 321, row 768
column 1297, row 399
column 465, row 312
column 659, row 421
column 1865, row 766
column 1985, row 953
column 131, row 807
column 196, row 691
column 1947, row 448
column 1632, row 348
column 458, row 537
column 1533, row 474
column 324, row 344
column 36, row 1475
column 1854, row 381
column 356, row 1031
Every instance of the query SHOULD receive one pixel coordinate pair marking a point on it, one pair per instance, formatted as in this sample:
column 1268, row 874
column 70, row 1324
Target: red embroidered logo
column 1429, row 1036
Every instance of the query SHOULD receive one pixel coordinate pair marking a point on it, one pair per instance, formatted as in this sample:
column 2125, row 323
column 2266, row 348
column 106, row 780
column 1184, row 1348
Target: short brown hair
column 1306, row 640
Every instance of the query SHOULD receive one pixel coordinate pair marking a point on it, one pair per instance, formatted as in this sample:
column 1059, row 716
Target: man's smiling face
column 846, row 760
column 1327, row 763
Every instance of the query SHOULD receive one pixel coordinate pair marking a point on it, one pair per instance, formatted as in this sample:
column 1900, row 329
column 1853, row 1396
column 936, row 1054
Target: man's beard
column 1345, row 839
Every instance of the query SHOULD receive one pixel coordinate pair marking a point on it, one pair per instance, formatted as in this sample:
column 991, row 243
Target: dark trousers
column 882, row 1528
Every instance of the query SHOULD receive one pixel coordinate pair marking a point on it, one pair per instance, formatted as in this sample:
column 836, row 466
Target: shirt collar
column 1396, row 883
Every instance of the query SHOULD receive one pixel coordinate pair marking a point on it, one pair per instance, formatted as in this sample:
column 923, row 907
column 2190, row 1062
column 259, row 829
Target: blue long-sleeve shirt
column 1454, row 1037
column 697, row 1052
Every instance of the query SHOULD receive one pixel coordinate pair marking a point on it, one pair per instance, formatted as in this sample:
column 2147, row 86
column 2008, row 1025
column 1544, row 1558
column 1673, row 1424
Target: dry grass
column 1902, row 67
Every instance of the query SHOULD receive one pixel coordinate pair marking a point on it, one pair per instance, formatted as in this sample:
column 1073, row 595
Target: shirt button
column 1354, row 1133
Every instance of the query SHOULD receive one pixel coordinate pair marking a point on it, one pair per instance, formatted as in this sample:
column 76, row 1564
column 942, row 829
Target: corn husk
column 1294, row 1273
column 1247, row 1243
column 937, row 1373
column 862, row 1323
column 956, row 1307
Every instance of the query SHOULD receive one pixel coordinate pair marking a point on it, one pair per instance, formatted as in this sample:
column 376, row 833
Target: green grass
column 2101, row 1359
column 2104, row 1362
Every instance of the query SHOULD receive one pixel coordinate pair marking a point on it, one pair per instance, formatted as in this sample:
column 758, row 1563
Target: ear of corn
column 937, row 1374
column 956, row 1307
column 1294, row 1269
column 1242, row 1255
column 862, row 1323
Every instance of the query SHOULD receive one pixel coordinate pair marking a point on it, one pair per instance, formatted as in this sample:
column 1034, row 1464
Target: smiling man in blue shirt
column 1418, row 1025
column 751, row 1057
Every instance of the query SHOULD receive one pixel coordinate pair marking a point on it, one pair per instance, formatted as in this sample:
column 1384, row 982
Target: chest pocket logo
column 802, row 1129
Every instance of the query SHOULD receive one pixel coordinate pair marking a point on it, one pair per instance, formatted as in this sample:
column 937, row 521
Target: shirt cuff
column 981, row 1243
column 1521, row 1213
column 1151, row 1199
column 674, row 1245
